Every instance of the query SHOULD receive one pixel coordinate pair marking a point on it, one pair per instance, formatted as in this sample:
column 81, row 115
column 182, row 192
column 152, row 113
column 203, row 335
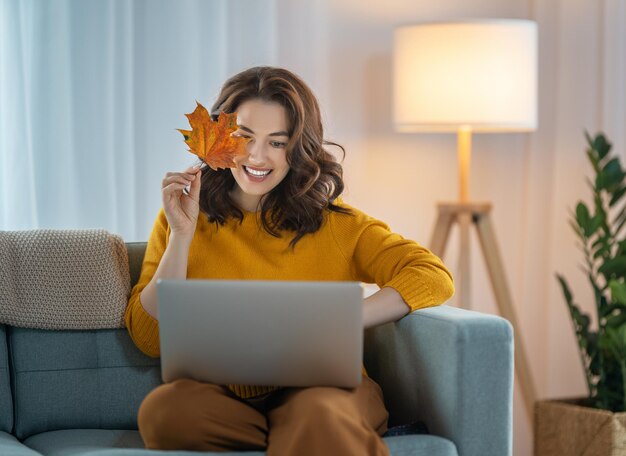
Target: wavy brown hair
column 314, row 179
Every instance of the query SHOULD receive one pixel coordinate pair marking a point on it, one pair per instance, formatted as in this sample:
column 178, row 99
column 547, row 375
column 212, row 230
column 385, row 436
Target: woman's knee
column 190, row 415
column 165, row 413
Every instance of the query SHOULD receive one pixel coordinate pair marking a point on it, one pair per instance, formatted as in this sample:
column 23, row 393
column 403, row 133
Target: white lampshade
column 477, row 74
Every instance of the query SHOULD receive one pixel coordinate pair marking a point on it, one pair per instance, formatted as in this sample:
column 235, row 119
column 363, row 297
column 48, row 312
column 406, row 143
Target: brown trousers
column 191, row 415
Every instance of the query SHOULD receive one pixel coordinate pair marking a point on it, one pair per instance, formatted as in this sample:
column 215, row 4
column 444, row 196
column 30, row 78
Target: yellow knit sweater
column 347, row 247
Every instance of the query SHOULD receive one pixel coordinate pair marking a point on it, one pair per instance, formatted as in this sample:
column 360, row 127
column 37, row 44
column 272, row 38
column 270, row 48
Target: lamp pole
column 464, row 150
column 464, row 218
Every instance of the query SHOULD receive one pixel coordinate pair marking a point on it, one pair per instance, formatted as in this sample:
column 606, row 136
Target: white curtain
column 91, row 92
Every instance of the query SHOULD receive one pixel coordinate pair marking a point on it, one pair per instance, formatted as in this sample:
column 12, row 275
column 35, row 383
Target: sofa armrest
column 452, row 369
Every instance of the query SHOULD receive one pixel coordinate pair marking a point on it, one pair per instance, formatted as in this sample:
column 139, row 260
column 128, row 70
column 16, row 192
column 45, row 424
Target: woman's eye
column 278, row 144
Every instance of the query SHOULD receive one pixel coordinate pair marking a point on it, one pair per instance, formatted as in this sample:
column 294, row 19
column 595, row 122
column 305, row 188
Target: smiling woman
column 280, row 114
column 275, row 216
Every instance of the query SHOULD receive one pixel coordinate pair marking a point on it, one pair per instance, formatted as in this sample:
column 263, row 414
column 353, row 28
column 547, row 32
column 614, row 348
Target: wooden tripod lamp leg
column 441, row 232
column 464, row 280
column 449, row 214
column 505, row 304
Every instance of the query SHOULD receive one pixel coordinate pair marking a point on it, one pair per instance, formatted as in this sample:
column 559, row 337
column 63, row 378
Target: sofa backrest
column 6, row 402
column 80, row 379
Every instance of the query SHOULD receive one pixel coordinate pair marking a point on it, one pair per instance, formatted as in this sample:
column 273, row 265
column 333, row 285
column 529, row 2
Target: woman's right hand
column 182, row 208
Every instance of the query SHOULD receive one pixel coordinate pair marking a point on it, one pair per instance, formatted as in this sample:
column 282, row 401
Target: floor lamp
column 464, row 77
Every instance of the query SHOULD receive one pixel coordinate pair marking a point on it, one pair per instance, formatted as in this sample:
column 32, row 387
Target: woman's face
column 265, row 166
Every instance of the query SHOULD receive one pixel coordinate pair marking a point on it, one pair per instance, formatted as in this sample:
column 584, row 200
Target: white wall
column 532, row 179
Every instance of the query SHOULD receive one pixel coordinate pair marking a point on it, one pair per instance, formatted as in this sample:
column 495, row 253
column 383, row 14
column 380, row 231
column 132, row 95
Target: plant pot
column 568, row 427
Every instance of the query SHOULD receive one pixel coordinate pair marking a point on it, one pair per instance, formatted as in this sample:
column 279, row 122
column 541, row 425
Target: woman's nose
column 256, row 152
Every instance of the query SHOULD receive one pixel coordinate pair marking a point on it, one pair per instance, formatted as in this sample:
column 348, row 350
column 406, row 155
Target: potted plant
column 595, row 425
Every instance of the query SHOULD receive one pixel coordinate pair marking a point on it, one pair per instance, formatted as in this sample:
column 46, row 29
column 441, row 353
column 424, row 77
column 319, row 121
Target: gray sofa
column 77, row 392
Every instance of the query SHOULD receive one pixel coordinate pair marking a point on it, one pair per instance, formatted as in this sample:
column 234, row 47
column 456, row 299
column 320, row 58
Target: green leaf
column 611, row 176
column 598, row 204
column 582, row 217
column 595, row 223
column 605, row 340
column 614, row 340
column 601, row 145
column 601, row 301
column 581, row 320
column 622, row 335
column 615, row 321
column 582, row 326
column 621, row 248
column 566, row 290
column 617, row 196
column 592, row 153
column 613, row 267
column 618, row 291
column 594, row 365
column 602, row 252
column 588, row 138
column 611, row 308
column 599, row 242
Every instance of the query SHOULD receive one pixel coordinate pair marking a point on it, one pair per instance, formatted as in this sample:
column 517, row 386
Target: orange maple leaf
column 212, row 141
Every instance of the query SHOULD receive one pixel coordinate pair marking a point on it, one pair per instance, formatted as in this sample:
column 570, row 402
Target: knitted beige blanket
column 63, row 279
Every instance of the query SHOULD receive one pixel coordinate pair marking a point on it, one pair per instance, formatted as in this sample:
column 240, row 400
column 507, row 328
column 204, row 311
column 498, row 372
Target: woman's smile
column 256, row 174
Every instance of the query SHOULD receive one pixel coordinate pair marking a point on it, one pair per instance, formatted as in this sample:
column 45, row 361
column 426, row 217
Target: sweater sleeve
column 142, row 327
column 377, row 255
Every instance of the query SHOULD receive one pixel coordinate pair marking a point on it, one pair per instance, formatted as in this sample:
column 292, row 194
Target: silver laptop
column 282, row 333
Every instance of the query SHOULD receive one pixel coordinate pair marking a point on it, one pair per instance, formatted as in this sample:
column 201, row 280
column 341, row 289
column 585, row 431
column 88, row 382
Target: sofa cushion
column 87, row 442
column 411, row 445
column 78, row 379
column 91, row 442
column 10, row 446
column 6, row 403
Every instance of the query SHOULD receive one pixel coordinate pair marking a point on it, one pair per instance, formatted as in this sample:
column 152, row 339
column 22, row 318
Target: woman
column 275, row 216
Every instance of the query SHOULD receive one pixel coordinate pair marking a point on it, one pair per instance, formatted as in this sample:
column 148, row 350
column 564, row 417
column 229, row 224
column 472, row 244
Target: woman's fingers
column 194, row 189
column 186, row 175
column 178, row 178
column 192, row 170
column 174, row 187
column 180, row 196
column 176, row 183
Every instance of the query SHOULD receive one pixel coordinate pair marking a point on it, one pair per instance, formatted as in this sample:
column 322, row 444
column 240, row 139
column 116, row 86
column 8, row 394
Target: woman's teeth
column 257, row 173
